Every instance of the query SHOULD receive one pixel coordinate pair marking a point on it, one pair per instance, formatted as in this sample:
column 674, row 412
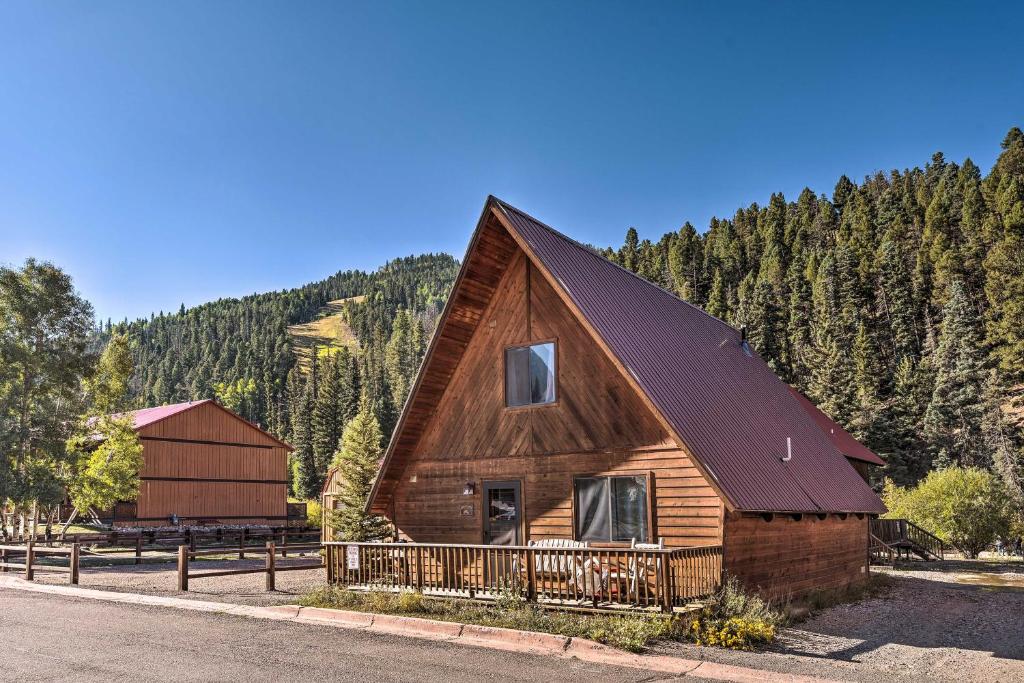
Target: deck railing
column 893, row 532
column 594, row 577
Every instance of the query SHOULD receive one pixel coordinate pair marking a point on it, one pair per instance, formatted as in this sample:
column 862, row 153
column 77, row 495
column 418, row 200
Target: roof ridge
column 594, row 253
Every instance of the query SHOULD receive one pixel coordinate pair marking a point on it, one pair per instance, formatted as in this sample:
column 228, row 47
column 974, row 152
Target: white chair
column 561, row 563
column 643, row 565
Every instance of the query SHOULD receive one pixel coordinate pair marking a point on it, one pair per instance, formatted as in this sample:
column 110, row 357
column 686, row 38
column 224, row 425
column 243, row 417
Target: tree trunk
column 71, row 518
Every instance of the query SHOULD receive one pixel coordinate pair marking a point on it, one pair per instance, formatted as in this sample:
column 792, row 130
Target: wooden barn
column 564, row 401
column 203, row 464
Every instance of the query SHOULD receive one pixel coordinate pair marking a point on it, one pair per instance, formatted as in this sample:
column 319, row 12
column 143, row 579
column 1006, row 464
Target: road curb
column 491, row 637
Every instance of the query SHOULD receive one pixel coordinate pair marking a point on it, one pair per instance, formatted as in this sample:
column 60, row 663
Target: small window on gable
column 530, row 375
column 611, row 509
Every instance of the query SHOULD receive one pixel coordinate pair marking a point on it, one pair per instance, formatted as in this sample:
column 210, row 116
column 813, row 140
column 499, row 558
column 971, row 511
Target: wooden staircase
column 901, row 539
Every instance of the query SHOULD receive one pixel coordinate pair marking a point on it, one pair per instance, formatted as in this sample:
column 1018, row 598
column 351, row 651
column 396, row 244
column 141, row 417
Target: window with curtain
column 610, row 509
column 530, row 375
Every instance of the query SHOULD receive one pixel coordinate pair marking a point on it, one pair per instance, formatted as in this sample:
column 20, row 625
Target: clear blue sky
column 177, row 152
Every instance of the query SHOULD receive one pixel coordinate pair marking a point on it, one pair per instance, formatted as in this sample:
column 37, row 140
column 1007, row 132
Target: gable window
column 610, row 509
column 530, row 375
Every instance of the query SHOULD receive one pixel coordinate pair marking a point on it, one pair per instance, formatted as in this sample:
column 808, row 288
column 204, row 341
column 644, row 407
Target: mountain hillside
column 240, row 350
column 326, row 332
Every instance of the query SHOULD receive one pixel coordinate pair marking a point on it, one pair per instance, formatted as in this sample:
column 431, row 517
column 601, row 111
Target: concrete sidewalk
column 463, row 634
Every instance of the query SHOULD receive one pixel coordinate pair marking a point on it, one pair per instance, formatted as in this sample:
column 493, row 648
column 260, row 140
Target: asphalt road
column 55, row 638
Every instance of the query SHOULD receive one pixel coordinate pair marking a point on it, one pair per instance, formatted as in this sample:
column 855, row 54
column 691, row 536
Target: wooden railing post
column 30, row 556
column 241, row 544
column 531, row 575
column 284, row 543
column 73, row 563
column 419, row 568
column 329, row 559
column 664, row 560
column 138, row 549
column 271, row 562
column 3, row 560
column 183, row 567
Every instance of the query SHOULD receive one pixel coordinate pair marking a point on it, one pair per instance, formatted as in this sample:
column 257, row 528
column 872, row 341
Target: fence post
column 30, row 556
column 329, row 559
column 138, row 549
column 271, row 562
column 73, row 563
column 241, row 544
column 183, row 567
column 531, row 576
column 3, row 560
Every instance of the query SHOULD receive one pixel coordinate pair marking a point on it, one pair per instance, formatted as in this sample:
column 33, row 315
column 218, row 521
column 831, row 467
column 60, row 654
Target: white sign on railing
column 352, row 556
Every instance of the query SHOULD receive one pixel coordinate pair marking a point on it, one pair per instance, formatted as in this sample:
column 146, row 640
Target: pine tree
column 629, row 255
column 1004, row 287
column 326, row 421
column 357, row 461
column 953, row 418
column 308, row 477
column 402, row 355
column 718, row 303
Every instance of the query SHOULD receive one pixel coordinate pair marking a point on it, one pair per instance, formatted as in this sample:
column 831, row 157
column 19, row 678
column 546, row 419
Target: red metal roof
column 723, row 401
column 842, row 439
column 144, row 417
column 147, row 416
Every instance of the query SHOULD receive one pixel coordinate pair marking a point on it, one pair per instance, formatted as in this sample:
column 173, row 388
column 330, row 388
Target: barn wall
column 597, row 426
column 787, row 557
column 205, row 464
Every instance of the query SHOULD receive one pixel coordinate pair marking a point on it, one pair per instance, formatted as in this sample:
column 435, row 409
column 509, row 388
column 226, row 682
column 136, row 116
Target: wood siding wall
column 598, row 426
column 206, row 464
column 787, row 557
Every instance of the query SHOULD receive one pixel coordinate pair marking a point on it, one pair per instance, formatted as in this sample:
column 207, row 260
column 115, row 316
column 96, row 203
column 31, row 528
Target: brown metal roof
column 842, row 439
column 722, row 400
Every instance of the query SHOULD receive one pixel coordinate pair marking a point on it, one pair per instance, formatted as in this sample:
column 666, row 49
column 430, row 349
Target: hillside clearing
column 328, row 331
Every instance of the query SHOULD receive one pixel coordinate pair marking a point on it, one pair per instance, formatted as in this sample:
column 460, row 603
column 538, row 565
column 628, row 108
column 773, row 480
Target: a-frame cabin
column 563, row 397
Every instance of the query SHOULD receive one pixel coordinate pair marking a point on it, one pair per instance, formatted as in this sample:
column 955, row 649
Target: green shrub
column 966, row 507
column 314, row 513
column 735, row 619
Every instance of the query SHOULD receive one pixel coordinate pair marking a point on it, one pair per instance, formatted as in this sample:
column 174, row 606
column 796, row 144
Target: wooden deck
column 601, row 578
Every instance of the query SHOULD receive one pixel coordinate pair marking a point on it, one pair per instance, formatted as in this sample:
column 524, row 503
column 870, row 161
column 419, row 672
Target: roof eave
column 375, row 490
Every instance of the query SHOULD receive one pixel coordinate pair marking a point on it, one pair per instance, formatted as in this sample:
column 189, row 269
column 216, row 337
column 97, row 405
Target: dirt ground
column 940, row 621
column 162, row 579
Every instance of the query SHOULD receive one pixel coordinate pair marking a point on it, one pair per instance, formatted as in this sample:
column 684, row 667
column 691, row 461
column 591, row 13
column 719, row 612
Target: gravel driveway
column 950, row 621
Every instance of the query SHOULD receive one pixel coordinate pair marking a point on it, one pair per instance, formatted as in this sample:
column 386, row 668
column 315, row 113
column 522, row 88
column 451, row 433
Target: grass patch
column 634, row 633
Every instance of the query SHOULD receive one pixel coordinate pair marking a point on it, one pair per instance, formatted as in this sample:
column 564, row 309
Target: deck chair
column 562, row 565
column 638, row 567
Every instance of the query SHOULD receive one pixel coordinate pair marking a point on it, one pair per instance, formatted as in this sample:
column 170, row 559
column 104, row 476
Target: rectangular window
column 530, row 375
column 611, row 509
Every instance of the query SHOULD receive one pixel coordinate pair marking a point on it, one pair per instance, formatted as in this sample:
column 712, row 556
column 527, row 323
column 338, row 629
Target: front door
column 503, row 511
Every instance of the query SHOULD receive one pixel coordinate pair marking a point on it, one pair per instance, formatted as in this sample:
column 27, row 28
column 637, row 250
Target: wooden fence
column 595, row 577
column 30, row 555
column 168, row 541
column 270, row 552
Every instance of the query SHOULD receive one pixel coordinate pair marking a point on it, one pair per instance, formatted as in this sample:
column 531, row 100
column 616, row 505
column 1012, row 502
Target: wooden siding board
column 786, row 557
